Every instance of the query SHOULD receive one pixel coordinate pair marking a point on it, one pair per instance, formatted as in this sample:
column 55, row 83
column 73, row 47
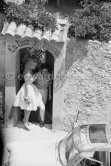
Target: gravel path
column 35, row 134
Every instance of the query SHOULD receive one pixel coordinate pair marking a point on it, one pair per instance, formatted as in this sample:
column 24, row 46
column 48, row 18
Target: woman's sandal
column 26, row 125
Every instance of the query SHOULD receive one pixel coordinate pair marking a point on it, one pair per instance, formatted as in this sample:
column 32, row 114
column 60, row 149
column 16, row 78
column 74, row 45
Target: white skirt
column 35, row 98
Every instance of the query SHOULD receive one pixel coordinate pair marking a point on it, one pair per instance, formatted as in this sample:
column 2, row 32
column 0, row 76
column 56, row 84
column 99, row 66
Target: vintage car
column 86, row 145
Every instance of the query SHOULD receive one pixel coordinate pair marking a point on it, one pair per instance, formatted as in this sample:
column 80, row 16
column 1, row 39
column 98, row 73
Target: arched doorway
column 22, row 57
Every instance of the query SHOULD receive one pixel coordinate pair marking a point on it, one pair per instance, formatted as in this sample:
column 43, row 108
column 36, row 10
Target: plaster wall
column 2, row 61
column 2, row 74
column 58, row 98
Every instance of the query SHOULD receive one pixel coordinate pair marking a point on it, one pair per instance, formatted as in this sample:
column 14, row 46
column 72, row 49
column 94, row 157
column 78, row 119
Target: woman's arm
column 26, row 92
column 26, row 89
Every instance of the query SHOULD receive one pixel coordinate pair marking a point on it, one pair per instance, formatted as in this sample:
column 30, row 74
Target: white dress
column 34, row 96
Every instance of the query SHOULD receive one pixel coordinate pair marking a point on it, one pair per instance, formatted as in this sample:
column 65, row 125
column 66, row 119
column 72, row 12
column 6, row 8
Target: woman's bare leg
column 16, row 115
column 26, row 116
column 42, row 114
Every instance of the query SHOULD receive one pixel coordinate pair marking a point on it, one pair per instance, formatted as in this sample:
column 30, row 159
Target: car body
column 86, row 145
column 90, row 143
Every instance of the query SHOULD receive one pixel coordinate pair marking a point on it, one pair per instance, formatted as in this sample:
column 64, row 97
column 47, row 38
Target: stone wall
column 87, row 88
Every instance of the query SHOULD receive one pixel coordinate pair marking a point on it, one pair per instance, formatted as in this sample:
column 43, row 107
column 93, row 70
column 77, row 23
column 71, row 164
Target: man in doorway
column 43, row 83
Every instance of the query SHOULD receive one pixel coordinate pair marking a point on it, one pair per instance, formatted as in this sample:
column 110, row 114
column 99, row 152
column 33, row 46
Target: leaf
column 32, row 13
column 91, row 21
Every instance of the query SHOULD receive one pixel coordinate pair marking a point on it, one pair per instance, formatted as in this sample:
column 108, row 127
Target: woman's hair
column 30, row 66
column 30, row 63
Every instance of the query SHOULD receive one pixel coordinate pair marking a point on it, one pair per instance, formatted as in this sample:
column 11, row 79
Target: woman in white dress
column 29, row 98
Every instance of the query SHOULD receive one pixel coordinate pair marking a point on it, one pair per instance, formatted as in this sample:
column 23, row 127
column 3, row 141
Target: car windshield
column 97, row 133
column 66, row 149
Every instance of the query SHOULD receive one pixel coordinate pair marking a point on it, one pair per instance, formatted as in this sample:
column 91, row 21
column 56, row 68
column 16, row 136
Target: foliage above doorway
column 31, row 13
column 92, row 21
column 30, row 53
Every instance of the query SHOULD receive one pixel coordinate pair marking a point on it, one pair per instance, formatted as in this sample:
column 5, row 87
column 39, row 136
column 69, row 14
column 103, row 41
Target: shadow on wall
column 2, row 18
column 60, row 78
column 76, row 50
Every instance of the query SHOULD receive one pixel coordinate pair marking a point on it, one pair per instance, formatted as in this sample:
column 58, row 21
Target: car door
column 84, row 161
column 89, row 162
column 103, row 156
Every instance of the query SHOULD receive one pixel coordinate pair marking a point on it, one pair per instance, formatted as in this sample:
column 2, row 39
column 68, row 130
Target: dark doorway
column 49, row 61
column 49, row 105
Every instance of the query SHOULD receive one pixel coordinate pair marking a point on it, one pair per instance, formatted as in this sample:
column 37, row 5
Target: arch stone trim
column 18, row 44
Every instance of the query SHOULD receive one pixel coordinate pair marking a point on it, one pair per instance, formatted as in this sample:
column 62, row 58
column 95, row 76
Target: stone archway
column 13, row 45
column 21, row 56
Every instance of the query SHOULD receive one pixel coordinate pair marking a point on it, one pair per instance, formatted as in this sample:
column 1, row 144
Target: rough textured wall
column 88, row 83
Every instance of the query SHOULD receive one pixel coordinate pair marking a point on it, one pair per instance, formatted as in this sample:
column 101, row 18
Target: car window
column 97, row 133
column 66, row 149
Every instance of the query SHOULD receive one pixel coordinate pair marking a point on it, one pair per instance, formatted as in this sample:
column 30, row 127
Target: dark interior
column 34, row 116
